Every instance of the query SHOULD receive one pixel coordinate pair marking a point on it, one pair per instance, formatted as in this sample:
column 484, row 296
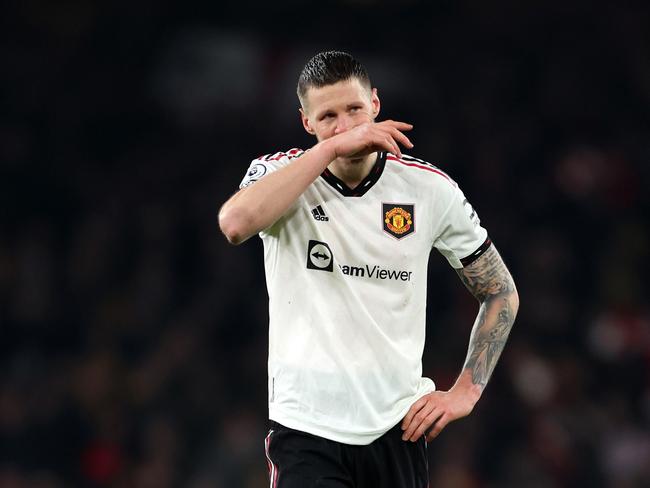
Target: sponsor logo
column 319, row 256
column 319, row 214
column 375, row 272
column 399, row 219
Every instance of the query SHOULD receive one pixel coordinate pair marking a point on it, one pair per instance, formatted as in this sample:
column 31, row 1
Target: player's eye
column 327, row 116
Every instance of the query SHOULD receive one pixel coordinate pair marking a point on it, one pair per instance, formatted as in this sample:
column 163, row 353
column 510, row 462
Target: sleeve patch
column 256, row 171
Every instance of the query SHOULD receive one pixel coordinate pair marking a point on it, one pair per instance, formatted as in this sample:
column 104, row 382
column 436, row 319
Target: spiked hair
column 328, row 68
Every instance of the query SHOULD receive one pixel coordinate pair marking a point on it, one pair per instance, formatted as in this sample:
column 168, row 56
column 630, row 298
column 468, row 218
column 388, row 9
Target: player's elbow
column 234, row 224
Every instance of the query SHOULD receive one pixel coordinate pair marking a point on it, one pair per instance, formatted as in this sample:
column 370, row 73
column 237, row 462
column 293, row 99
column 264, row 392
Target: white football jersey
column 346, row 271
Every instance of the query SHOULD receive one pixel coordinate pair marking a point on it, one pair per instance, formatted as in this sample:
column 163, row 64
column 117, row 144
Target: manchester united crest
column 399, row 219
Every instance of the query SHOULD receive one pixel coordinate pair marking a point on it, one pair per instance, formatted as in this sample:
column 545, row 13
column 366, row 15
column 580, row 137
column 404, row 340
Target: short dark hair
column 328, row 68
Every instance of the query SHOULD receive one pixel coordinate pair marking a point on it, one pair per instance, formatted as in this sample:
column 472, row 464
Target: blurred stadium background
column 133, row 338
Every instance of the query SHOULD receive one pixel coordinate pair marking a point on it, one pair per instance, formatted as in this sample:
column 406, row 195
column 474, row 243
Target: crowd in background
column 133, row 337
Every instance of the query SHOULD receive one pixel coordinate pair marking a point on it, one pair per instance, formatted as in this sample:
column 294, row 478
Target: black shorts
column 300, row 460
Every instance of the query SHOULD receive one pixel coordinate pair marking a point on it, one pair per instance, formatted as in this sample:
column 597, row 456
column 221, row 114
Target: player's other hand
column 371, row 137
column 433, row 412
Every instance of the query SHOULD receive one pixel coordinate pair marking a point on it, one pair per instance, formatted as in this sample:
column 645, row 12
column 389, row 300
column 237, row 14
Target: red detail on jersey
column 292, row 153
column 427, row 168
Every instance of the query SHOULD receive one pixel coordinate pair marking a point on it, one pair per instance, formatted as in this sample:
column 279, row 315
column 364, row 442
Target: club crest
column 399, row 219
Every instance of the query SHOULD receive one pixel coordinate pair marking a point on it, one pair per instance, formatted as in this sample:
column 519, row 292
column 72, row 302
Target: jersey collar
column 366, row 184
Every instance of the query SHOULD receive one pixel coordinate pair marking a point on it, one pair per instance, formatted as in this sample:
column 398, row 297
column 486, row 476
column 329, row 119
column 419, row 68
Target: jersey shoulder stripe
column 291, row 154
column 421, row 164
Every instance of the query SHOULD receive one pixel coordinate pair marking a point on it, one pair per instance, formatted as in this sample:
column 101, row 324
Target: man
column 347, row 228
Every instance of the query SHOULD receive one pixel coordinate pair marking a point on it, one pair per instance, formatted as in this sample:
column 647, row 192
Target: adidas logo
column 319, row 214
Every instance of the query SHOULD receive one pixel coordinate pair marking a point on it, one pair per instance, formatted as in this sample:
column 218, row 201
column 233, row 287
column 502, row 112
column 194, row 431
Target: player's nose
column 343, row 123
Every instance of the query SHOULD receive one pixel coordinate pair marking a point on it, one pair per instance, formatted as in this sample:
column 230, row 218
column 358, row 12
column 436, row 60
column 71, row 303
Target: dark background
column 133, row 337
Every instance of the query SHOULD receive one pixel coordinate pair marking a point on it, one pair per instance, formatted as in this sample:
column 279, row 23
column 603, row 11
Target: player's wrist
column 327, row 151
column 465, row 388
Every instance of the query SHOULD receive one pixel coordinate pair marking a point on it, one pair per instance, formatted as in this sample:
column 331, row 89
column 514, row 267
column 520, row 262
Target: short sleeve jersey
column 346, row 272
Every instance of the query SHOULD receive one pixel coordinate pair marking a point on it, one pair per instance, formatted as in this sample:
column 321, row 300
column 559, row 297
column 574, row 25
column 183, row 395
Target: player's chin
column 357, row 158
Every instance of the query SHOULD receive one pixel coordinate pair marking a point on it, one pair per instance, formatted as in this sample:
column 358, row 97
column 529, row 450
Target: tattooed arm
column 490, row 282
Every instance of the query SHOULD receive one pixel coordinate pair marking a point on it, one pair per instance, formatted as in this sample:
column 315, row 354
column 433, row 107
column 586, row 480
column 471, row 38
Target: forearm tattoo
column 490, row 282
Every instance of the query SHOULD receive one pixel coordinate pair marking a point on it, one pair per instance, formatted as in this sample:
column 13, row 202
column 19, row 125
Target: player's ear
column 376, row 104
column 305, row 122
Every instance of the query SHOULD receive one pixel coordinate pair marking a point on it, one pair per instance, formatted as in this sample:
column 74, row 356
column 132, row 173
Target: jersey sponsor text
column 375, row 272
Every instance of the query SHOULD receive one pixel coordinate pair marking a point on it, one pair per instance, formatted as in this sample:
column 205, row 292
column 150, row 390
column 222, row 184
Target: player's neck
column 353, row 172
